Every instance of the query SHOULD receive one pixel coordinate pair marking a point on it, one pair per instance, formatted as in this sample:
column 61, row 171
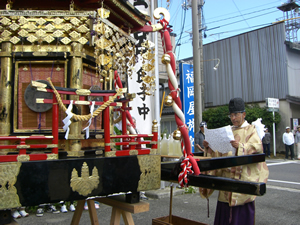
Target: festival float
column 64, row 71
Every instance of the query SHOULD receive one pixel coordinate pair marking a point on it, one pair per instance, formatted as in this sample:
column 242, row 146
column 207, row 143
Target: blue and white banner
column 187, row 97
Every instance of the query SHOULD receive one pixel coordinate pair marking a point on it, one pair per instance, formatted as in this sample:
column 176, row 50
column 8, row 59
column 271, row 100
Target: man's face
column 237, row 119
column 288, row 130
column 202, row 128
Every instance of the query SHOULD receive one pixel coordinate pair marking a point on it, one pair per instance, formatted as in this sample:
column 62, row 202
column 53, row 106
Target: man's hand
column 235, row 143
column 199, row 147
column 205, row 143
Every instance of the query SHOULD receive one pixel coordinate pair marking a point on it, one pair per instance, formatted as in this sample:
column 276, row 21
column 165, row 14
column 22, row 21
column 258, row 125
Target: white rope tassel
column 87, row 129
column 67, row 120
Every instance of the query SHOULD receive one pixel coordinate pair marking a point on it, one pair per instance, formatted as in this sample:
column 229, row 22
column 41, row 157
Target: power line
column 244, row 10
column 253, row 12
column 242, row 20
column 239, row 15
column 237, row 20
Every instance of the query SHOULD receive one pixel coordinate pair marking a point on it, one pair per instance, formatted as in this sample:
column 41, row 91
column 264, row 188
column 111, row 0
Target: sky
column 222, row 18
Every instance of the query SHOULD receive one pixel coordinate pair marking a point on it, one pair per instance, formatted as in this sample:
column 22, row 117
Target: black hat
column 203, row 123
column 236, row 105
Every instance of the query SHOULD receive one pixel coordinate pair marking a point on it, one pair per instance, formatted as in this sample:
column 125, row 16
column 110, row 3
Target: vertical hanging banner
column 187, row 97
column 140, row 80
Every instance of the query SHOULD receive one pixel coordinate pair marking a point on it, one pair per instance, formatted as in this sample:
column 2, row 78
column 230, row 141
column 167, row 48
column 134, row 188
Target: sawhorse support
column 119, row 207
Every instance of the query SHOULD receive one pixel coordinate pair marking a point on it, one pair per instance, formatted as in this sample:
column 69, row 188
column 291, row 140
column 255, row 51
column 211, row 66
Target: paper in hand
column 219, row 139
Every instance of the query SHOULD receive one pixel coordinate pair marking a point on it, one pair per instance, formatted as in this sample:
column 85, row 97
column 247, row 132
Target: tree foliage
column 218, row 117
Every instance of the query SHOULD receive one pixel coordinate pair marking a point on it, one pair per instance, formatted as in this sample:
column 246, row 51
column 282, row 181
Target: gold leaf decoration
column 32, row 27
column 148, row 55
column 83, row 40
column 65, row 40
column 41, row 21
column 23, row 20
column 31, row 38
column 58, row 33
column 148, row 67
column 103, row 43
column 49, row 39
column 150, row 172
column 8, row 178
column 103, row 13
column 58, row 20
column 74, row 34
column 75, row 21
column 83, row 29
column 5, row 21
column 14, row 26
column 23, row 33
column 103, row 59
column 6, row 34
column 85, row 184
column 100, row 28
column 40, row 33
column 14, row 40
column 49, row 27
column 67, row 26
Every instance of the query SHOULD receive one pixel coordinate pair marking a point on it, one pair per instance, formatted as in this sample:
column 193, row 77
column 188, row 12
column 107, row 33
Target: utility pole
column 198, row 62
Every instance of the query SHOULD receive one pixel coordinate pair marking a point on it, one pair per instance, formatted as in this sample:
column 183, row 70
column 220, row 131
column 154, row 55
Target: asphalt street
column 280, row 205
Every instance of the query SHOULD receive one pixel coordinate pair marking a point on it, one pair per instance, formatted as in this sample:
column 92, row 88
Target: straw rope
column 83, row 117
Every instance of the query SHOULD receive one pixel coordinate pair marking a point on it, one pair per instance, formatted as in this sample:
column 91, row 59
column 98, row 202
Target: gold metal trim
column 110, row 154
column 45, row 13
column 133, row 152
column 99, row 136
column 40, row 53
column 52, row 156
column 99, row 152
column 110, row 144
column 84, row 92
column 23, row 158
column 8, row 178
column 154, row 126
column 75, row 153
column 82, row 103
column 150, row 172
column 153, row 151
column 23, row 146
column 52, row 146
column 38, row 84
column 133, row 143
column 85, row 184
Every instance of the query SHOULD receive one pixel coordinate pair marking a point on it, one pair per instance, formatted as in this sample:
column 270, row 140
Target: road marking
column 283, row 188
column 281, row 163
column 285, row 182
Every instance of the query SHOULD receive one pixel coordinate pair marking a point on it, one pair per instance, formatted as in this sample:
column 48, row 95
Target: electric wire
column 233, row 17
column 253, row 12
column 182, row 28
column 262, row 44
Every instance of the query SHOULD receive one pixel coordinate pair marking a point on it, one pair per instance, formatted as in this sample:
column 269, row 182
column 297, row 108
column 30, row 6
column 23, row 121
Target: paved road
column 280, row 205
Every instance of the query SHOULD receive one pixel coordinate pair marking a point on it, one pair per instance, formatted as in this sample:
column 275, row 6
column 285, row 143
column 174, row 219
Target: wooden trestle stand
column 119, row 208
